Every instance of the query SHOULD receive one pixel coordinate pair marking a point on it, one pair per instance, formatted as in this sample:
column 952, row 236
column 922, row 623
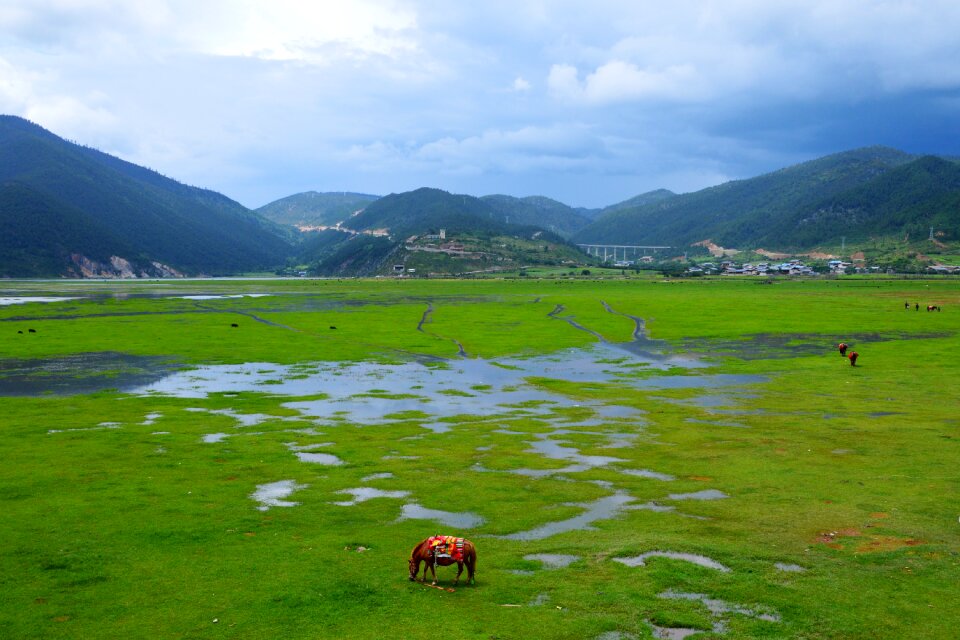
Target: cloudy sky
column 586, row 102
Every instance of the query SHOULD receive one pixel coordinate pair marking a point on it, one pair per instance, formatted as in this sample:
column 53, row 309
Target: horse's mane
column 419, row 547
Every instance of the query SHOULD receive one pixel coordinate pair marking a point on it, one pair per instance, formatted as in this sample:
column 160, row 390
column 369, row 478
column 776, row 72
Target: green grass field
column 818, row 500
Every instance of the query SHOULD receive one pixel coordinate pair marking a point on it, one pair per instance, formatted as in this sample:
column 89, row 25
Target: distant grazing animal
column 234, row 324
column 32, row 330
column 443, row 551
column 332, row 327
column 19, row 331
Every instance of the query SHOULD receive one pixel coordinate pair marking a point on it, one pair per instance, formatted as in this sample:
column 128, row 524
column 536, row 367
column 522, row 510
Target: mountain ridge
column 156, row 218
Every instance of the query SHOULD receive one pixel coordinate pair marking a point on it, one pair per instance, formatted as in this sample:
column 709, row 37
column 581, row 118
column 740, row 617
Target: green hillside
column 313, row 209
column 476, row 237
column 149, row 216
column 40, row 234
column 538, row 211
column 904, row 202
column 740, row 213
column 425, row 209
column 650, row 197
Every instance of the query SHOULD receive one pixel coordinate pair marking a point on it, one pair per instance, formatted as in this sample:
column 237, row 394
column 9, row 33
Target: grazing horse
column 423, row 552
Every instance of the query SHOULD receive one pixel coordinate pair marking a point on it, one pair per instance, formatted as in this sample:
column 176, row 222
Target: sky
column 589, row 103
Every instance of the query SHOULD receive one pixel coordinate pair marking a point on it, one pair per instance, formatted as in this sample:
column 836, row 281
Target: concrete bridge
column 615, row 252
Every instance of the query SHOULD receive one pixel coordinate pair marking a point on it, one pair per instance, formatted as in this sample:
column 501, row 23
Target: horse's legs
column 459, row 571
column 471, row 567
column 433, row 570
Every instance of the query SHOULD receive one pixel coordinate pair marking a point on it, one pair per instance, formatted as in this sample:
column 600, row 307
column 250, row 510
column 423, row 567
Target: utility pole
column 931, row 234
column 843, row 243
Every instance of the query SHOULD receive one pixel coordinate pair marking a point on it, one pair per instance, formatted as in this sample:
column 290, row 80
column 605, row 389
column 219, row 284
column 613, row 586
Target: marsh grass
column 118, row 520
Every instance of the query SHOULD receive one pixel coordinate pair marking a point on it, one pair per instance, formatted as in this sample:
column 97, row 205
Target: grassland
column 126, row 510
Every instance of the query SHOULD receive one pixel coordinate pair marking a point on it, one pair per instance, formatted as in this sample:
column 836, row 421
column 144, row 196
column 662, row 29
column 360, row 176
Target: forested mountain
column 101, row 205
column 643, row 199
column 743, row 213
column 538, row 211
column 904, row 202
column 423, row 210
column 313, row 209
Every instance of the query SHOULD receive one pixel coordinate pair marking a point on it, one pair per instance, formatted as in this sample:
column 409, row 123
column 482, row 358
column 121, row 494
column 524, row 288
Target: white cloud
column 521, row 85
column 296, row 30
column 619, row 81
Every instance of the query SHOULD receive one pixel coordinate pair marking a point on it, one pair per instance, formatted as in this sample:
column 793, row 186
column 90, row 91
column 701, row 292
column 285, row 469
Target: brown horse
column 423, row 553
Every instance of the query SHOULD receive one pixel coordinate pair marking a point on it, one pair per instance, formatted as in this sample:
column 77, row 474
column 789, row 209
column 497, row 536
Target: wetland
column 632, row 458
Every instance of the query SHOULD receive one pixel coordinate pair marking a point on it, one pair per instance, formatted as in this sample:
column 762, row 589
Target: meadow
column 633, row 458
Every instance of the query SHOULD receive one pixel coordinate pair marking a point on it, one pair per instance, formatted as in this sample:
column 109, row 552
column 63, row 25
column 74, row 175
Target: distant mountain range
column 68, row 210
column 312, row 209
column 855, row 195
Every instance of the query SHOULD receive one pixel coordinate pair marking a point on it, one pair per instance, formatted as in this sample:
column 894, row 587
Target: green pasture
column 123, row 517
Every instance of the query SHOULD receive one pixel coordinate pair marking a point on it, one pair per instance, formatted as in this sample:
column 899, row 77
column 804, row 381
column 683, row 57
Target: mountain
column 433, row 231
column 643, row 199
column 313, row 209
column 740, row 213
column 905, row 202
column 106, row 216
column 538, row 211
column 423, row 210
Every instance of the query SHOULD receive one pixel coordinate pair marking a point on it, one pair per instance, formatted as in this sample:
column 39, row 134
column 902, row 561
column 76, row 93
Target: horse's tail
column 471, row 561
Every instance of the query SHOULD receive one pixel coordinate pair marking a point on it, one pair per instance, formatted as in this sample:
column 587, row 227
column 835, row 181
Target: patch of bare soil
column 880, row 544
column 773, row 255
column 715, row 249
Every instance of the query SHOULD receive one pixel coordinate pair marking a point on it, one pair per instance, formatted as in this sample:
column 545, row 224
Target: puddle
column 702, row 561
column 305, row 454
column 539, row 600
column 362, row 494
column 673, row 633
column 319, row 458
column 245, row 419
column 465, row 520
column 789, row 568
column 439, row 389
column 223, row 297
column 556, row 451
column 552, row 560
column 706, row 494
column 81, row 373
column 646, row 473
column 652, row 506
column 99, row 427
column 215, row 437
column 272, row 494
column 604, row 508
column 721, row 608
column 717, row 423
column 376, row 476
column 11, row 300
